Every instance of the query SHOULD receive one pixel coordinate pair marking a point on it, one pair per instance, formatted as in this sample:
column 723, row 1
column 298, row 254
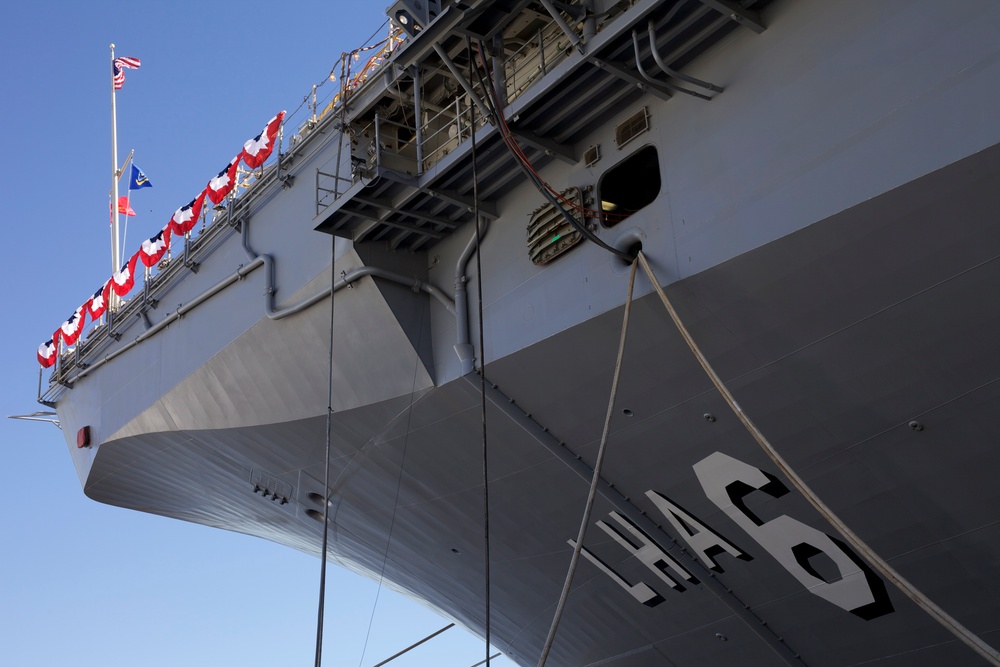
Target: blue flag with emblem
column 139, row 179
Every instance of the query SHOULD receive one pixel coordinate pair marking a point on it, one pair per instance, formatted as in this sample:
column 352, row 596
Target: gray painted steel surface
column 827, row 227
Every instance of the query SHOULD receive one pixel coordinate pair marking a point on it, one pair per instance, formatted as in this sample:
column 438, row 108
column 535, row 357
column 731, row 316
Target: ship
column 692, row 300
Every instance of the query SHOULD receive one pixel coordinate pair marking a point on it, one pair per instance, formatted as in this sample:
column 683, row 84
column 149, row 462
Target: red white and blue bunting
column 186, row 217
column 155, row 247
column 255, row 152
column 222, row 185
column 71, row 328
column 47, row 353
column 123, row 281
column 99, row 302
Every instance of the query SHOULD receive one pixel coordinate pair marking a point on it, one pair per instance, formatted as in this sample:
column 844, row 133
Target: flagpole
column 115, row 257
column 128, row 199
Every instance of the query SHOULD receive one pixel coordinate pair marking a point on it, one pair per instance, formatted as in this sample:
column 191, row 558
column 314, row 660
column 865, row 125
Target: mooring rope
column 594, row 483
column 942, row 617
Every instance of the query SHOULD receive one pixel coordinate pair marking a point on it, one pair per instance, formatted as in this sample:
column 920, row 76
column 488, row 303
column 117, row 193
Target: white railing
column 535, row 59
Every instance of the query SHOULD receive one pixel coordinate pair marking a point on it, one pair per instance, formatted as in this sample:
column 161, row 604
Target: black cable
column 494, row 103
column 395, row 504
column 329, row 417
column 326, row 473
column 482, row 359
column 375, row 34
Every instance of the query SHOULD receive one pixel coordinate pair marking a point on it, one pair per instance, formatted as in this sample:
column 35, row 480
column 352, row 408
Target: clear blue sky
column 86, row 584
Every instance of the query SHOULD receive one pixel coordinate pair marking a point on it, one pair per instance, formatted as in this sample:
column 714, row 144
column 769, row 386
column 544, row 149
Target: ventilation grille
column 632, row 127
column 549, row 233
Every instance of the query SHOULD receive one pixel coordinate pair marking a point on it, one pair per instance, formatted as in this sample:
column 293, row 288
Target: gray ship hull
column 839, row 267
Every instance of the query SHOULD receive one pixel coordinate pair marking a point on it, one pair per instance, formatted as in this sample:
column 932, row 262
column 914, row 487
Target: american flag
column 118, row 69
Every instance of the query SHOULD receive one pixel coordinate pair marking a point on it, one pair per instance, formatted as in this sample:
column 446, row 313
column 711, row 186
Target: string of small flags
column 255, row 152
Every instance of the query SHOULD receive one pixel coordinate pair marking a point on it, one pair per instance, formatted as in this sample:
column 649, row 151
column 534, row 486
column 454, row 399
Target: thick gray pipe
column 344, row 281
column 561, row 22
column 463, row 347
column 267, row 262
column 171, row 317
